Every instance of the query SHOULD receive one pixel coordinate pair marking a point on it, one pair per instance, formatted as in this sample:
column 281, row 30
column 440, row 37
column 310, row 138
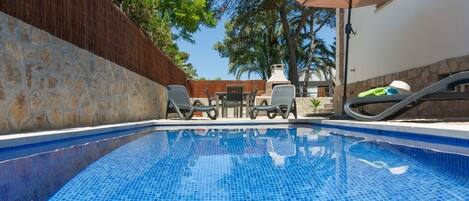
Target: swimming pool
column 294, row 162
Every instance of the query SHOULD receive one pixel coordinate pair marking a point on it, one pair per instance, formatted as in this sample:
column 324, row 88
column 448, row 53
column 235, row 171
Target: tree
column 320, row 62
column 252, row 47
column 188, row 68
column 204, row 78
column 297, row 21
column 159, row 18
column 292, row 25
column 319, row 58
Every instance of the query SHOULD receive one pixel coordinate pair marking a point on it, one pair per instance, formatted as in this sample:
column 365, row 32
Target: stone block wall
column 418, row 78
column 102, row 28
column 47, row 83
column 303, row 105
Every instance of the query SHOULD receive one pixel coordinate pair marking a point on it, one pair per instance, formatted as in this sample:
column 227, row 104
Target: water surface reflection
column 278, row 164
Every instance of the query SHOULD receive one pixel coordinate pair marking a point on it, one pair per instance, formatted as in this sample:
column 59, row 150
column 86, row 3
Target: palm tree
column 320, row 63
column 265, row 32
column 252, row 47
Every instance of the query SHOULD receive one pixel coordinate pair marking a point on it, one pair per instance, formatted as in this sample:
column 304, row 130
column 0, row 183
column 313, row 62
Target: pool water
column 268, row 164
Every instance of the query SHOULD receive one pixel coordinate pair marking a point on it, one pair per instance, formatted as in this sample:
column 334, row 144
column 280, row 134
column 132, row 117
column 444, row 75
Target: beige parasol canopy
column 339, row 3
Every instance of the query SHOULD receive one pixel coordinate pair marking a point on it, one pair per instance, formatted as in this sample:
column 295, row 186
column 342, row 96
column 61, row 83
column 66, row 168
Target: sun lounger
column 283, row 102
column 179, row 102
column 442, row 90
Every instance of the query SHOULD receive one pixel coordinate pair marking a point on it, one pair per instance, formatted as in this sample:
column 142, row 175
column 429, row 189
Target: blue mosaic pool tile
column 39, row 176
column 268, row 164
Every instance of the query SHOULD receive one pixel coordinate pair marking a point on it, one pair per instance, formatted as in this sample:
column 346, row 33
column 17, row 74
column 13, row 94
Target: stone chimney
column 277, row 78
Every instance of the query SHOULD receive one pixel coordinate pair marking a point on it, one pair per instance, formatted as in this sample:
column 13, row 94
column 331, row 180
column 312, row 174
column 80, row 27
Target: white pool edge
column 453, row 131
column 20, row 139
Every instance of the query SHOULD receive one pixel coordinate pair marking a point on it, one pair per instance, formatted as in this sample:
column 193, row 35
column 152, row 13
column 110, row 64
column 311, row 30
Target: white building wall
column 407, row 34
column 313, row 90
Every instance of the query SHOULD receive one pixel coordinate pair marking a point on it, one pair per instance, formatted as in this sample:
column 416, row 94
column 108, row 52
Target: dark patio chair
column 251, row 101
column 234, row 99
column 283, row 103
column 442, row 90
column 179, row 102
column 210, row 98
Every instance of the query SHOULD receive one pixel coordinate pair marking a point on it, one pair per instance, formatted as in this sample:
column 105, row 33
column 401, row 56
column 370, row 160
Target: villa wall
column 406, row 34
column 418, row 78
column 418, row 41
column 48, row 83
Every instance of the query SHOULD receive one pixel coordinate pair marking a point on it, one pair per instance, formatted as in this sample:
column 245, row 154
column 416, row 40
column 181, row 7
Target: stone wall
column 303, row 105
column 47, row 83
column 102, row 28
column 418, row 78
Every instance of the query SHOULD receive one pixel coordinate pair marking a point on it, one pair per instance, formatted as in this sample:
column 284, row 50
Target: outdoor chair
column 251, row 101
column 179, row 102
column 234, row 99
column 283, row 103
column 443, row 90
column 210, row 98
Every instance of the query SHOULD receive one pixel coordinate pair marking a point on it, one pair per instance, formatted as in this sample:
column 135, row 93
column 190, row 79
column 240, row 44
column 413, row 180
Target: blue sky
column 208, row 62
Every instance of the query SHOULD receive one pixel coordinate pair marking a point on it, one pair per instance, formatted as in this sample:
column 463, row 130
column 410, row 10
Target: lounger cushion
column 396, row 98
column 380, row 99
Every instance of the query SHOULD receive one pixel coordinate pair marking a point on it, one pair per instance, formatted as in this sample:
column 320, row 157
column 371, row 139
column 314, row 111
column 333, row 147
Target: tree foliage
column 165, row 21
column 264, row 32
column 204, row 78
column 251, row 48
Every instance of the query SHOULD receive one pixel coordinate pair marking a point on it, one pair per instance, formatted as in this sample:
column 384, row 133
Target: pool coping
column 450, row 131
column 455, row 131
column 20, row 139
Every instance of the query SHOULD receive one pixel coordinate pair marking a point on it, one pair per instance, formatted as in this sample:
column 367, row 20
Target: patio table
column 220, row 95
